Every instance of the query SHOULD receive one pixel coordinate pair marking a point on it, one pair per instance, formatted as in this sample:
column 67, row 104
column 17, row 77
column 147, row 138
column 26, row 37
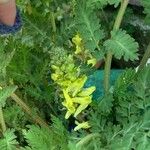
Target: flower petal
column 80, row 109
column 82, row 100
column 92, row 62
column 77, row 85
column 84, row 125
column 87, row 91
column 76, row 40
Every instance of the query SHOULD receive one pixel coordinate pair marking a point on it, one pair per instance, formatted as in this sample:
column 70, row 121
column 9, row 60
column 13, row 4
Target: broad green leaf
column 123, row 45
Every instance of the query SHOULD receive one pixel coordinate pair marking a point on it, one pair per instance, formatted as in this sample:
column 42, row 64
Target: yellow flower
column 82, row 100
column 78, row 49
column 87, row 91
column 92, row 62
column 63, row 83
column 84, row 125
column 54, row 67
column 68, row 103
column 83, row 104
column 54, row 76
column 77, row 85
column 75, row 105
column 78, row 42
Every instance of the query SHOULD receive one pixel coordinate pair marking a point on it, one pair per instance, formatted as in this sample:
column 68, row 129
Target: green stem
column 53, row 26
column 145, row 58
column 27, row 109
column 2, row 121
column 108, row 59
column 86, row 139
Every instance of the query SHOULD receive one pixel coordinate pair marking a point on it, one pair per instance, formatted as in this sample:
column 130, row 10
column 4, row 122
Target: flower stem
column 145, row 58
column 108, row 59
column 54, row 29
column 86, row 139
column 27, row 109
column 2, row 121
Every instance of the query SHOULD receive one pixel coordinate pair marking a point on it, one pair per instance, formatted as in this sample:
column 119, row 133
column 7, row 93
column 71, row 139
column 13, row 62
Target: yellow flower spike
column 77, row 41
column 92, row 62
column 78, row 50
column 54, row 67
column 54, row 76
column 77, row 85
column 84, row 102
column 84, row 125
column 87, row 91
column 80, row 109
column 68, row 103
column 63, row 83
column 68, row 114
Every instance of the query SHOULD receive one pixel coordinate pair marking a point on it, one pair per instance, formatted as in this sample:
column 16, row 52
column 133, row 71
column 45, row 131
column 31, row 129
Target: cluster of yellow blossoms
column 77, row 40
column 76, row 97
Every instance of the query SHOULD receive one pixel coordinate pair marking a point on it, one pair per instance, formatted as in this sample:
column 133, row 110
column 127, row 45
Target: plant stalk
column 27, row 109
column 2, row 121
column 109, row 55
column 145, row 58
column 53, row 23
column 86, row 139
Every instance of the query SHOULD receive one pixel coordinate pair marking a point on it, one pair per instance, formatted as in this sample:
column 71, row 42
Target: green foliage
column 44, row 139
column 114, row 2
column 122, row 45
column 102, row 3
column 38, row 138
column 105, row 104
column 14, row 117
column 143, row 86
column 127, row 125
column 5, row 58
column 8, row 142
column 96, row 3
column 119, row 120
column 146, row 5
column 5, row 93
column 87, row 24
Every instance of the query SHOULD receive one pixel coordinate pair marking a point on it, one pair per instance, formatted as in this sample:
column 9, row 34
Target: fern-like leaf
column 114, row 2
column 5, row 93
column 94, row 4
column 38, row 138
column 9, row 141
column 44, row 139
column 105, row 104
column 142, row 87
column 123, row 45
column 88, row 26
column 146, row 4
